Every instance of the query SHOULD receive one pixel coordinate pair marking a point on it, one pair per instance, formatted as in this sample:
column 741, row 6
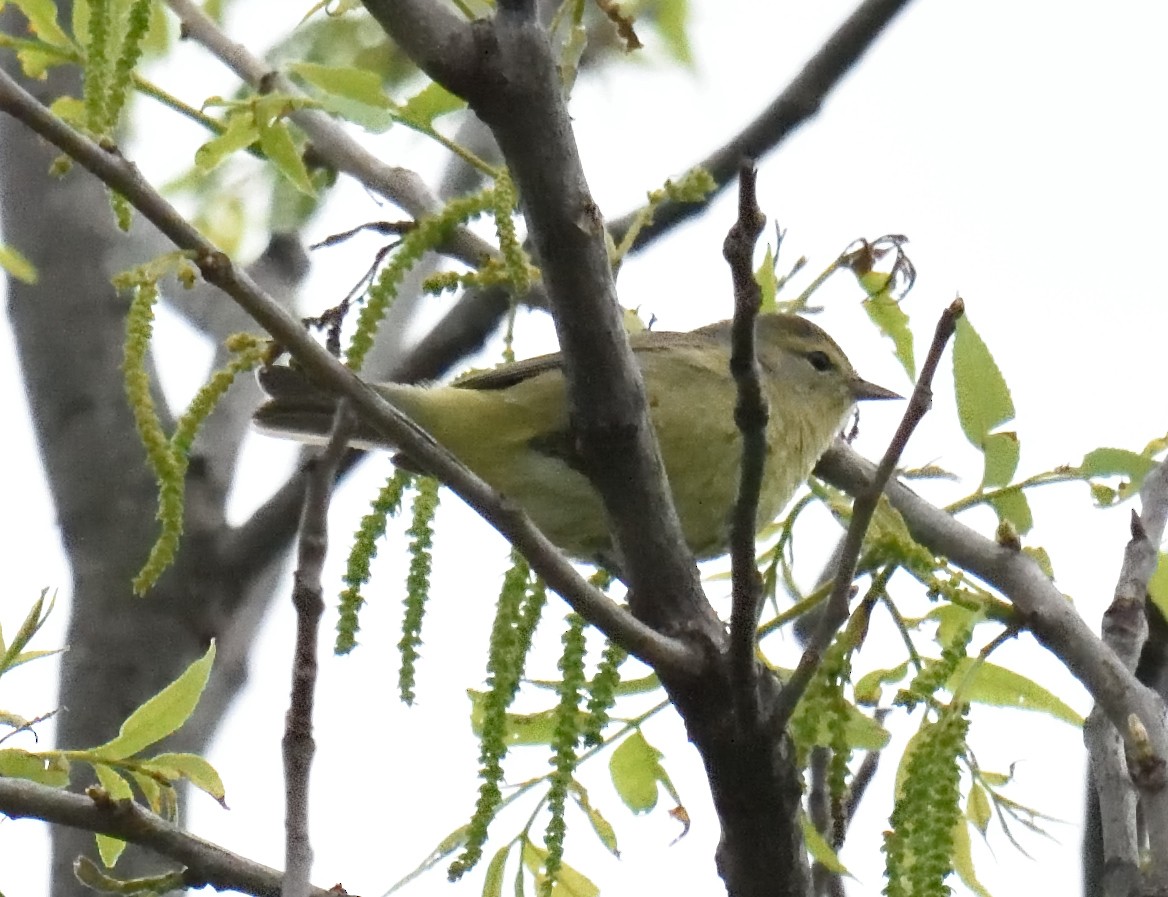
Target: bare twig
column 615, row 622
column 307, row 598
column 799, row 101
column 206, row 863
column 835, row 611
column 751, row 413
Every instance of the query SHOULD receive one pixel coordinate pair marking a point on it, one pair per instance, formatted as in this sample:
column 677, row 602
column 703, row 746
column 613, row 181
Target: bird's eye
column 820, row 361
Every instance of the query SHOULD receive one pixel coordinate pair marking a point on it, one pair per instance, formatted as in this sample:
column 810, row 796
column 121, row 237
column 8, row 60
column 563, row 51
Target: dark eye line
column 820, row 361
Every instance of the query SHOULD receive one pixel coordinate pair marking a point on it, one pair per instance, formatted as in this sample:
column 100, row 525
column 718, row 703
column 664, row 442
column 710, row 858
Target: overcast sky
column 1021, row 148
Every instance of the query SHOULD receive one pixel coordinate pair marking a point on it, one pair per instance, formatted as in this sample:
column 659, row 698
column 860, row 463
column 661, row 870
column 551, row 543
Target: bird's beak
column 863, row 390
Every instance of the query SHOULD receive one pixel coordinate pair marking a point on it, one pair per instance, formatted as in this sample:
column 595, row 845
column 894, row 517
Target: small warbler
column 510, row 426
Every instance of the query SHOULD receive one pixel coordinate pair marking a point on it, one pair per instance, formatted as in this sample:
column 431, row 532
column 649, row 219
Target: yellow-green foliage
column 514, row 258
column 421, row 533
column 919, row 848
column 602, row 695
column 427, row 234
column 169, row 457
column 386, row 505
column 564, row 742
column 112, row 46
column 510, row 639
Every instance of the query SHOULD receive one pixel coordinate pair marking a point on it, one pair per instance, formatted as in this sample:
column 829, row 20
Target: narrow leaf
column 162, row 714
column 428, row 104
column 191, row 767
column 17, row 265
column 988, row 683
column 819, row 849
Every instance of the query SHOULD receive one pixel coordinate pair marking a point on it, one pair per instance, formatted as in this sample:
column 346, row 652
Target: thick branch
column 1120, row 775
column 615, row 622
column 206, row 863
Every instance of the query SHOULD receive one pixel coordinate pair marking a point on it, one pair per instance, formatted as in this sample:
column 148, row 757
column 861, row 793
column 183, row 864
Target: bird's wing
column 507, row 375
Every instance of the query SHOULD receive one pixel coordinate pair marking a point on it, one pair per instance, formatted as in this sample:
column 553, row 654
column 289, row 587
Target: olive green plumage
column 510, row 426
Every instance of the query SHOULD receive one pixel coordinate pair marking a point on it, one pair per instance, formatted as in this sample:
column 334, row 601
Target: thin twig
column 206, row 864
column 835, row 612
column 299, row 745
column 640, row 640
column 751, row 413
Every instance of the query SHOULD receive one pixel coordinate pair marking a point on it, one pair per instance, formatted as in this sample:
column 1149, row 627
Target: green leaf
column 768, row 281
column 445, row 848
column 1001, row 459
column 1039, row 555
column 493, row 881
column 868, row 689
column 635, row 767
column 42, row 21
column 1014, row 507
column 569, row 882
column 990, row 684
column 983, row 399
column 11, row 656
column 17, row 265
column 151, row 790
column 240, row 133
column 359, row 85
column 277, row 143
column 162, row 714
column 118, row 789
column 428, row 104
column 94, row 878
column 1106, row 462
column 885, row 312
column 191, row 767
column 963, row 859
column 671, row 18
column 819, row 849
column 522, row 728
column 601, row 826
column 48, row 770
column 977, row 808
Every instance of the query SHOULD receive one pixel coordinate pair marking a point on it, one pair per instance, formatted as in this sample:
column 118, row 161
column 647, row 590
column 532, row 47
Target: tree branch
column 307, row 598
column 835, row 610
column 206, row 863
column 751, row 414
column 619, row 625
column 1120, row 776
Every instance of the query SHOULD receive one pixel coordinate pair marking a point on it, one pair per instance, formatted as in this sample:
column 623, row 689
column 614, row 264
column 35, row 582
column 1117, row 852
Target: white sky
column 1019, row 146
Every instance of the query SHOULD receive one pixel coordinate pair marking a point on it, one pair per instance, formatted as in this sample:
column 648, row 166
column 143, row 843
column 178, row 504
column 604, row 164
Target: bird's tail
column 296, row 408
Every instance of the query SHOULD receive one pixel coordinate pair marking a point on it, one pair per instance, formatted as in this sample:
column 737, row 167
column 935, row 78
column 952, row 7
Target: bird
column 510, row 425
